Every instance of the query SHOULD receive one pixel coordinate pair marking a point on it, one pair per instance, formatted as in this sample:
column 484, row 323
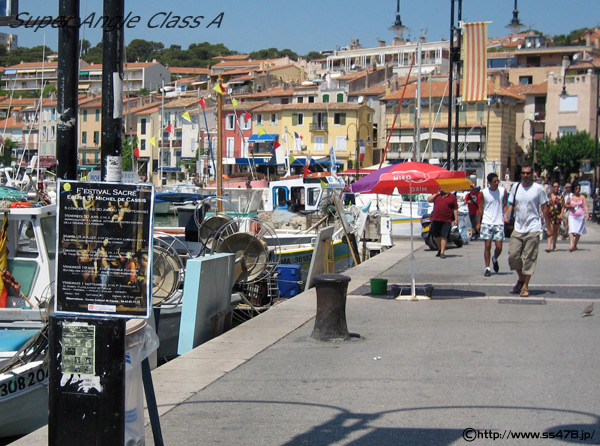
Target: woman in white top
column 578, row 213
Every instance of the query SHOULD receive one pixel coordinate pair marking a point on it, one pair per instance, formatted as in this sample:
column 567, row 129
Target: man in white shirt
column 490, row 224
column 531, row 202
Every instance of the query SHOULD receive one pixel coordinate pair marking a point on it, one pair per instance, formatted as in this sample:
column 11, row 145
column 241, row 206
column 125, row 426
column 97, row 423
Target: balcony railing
column 316, row 127
column 164, row 143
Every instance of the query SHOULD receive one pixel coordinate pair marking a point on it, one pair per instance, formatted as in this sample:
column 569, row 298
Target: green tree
column 85, row 45
column 273, row 53
column 127, row 153
column 563, row 156
column 9, row 145
column 142, row 50
column 48, row 90
column 93, row 55
column 313, row 55
column 573, row 38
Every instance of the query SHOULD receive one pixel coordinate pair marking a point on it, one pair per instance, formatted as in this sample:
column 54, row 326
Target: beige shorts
column 523, row 251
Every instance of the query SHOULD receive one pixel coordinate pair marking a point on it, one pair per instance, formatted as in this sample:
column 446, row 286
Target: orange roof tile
column 189, row 70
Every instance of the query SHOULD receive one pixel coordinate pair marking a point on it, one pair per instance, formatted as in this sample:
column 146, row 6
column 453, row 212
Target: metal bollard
column 330, row 322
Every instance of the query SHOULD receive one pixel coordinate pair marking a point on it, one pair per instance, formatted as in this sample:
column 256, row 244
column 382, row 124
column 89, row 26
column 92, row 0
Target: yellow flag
column 261, row 131
column 186, row 116
column 234, row 102
column 152, row 141
column 323, row 184
column 292, row 159
column 218, row 88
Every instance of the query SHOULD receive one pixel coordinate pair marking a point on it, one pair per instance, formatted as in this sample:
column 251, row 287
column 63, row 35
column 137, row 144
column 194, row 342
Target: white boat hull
column 24, row 399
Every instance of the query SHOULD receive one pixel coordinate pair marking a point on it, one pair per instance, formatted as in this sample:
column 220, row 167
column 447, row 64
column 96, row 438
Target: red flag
column 248, row 116
column 169, row 128
column 202, row 103
column 136, row 152
column 307, row 171
column 474, row 85
column 276, row 144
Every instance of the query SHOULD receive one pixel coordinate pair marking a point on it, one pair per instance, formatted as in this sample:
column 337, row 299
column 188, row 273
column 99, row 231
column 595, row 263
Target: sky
column 308, row 25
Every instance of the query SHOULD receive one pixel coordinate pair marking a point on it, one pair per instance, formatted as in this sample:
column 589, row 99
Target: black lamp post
column 515, row 25
column 357, row 144
column 532, row 126
column 564, row 94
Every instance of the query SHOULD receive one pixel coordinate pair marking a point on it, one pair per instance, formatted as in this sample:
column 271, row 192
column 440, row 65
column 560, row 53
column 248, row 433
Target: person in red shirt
column 473, row 200
column 445, row 213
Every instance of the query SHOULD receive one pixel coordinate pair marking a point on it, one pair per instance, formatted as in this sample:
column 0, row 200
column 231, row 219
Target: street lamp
column 532, row 126
column 398, row 27
column 564, row 94
column 357, row 127
column 515, row 25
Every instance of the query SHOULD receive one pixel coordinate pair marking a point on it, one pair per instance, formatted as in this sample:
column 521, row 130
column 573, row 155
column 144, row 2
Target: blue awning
column 256, row 161
column 267, row 137
column 167, row 169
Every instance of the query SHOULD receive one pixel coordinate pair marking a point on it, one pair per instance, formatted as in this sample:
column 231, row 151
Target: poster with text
column 104, row 241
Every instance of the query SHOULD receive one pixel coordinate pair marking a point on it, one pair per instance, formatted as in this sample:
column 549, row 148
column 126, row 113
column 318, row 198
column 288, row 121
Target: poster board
column 104, row 255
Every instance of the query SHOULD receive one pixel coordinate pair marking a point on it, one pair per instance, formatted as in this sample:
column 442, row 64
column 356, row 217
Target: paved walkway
column 423, row 372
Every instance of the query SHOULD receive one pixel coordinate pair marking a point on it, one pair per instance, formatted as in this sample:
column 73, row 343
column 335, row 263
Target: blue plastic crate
column 288, row 280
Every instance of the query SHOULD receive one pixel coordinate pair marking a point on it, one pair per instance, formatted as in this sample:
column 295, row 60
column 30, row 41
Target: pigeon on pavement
column 588, row 310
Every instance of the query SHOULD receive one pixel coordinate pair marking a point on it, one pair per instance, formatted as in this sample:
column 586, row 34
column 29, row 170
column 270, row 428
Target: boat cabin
column 31, row 243
column 302, row 194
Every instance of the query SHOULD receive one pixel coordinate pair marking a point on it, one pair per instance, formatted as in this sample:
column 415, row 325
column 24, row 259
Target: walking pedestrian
column 578, row 213
column 473, row 199
column 490, row 224
column 566, row 194
column 445, row 213
column 556, row 208
column 529, row 203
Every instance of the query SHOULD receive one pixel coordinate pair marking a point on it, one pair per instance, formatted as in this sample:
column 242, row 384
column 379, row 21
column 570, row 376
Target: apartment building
column 320, row 126
column 486, row 130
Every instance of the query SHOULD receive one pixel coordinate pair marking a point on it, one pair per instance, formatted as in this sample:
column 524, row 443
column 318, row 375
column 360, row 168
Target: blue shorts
column 492, row 232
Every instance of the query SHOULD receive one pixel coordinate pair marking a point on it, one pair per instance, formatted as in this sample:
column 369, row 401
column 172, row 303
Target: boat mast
column 162, row 130
column 219, row 154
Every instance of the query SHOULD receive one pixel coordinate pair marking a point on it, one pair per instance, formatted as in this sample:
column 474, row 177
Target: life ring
column 20, row 204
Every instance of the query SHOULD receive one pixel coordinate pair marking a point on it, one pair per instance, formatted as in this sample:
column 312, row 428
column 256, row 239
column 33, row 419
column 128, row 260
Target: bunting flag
column 219, row 88
column 276, row 145
column 169, row 128
column 323, row 184
column 186, row 116
column 234, row 102
column 306, row 165
column 202, row 103
column 248, row 116
column 261, row 131
column 474, row 85
column 292, row 159
column 152, row 141
column 136, row 152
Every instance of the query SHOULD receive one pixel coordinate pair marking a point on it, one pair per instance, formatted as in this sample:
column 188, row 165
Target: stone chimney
column 381, row 43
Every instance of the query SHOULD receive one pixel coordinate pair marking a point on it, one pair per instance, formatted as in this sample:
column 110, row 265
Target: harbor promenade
column 474, row 363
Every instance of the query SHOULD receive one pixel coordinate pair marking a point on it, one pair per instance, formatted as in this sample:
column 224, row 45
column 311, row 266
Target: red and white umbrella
column 412, row 178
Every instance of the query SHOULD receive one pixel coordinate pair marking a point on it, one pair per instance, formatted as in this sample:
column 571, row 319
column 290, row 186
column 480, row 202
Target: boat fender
column 20, row 204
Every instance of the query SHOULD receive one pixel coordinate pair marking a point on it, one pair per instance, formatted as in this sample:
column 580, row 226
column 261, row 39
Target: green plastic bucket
column 378, row 286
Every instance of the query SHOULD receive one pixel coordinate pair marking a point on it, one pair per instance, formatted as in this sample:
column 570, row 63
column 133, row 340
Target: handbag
column 510, row 226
